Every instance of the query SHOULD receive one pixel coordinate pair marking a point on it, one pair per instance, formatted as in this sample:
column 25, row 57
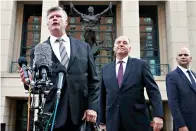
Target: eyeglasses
column 183, row 55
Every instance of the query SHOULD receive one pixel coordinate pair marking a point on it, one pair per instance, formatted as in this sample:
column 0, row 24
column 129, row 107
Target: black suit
column 80, row 91
column 181, row 99
column 124, row 108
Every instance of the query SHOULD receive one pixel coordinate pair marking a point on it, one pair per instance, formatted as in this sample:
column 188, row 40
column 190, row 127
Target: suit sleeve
column 102, row 101
column 173, row 101
column 93, row 81
column 152, row 91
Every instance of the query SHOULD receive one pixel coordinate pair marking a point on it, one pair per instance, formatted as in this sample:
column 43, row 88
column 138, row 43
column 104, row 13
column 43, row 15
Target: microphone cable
column 55, row 110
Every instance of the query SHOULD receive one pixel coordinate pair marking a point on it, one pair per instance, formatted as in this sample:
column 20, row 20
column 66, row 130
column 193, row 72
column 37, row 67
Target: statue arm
column 74, row 9
column 106, row 10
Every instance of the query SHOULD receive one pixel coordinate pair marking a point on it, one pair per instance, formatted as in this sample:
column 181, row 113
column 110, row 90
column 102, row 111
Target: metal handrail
column 156, row 69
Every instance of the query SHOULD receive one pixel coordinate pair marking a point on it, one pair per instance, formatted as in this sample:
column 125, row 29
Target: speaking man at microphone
column 79, row 94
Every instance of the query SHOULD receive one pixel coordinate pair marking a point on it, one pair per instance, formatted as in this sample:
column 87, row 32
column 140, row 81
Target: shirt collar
column 124, row 60
column 53, row 38
column 183, row 69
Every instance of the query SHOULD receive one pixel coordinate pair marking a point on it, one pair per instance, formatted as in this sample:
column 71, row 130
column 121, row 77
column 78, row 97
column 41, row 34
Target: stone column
column 130, row 25
column 191, row 12
column 177, row 29
column 8, row 20
column 168, row 121
column 118, row 19
column 46, row 4
column 162, row 34
column 18, row 31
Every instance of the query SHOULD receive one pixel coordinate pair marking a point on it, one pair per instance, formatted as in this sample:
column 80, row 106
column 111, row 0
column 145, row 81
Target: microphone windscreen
column 22, row 60
column 43, row 55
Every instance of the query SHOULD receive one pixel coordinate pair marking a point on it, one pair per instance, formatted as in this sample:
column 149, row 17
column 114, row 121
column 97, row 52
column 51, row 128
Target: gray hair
column 122, row 38
column 57, row 8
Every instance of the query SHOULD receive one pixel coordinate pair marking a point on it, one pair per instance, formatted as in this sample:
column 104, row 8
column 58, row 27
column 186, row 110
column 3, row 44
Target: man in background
column 181, row 92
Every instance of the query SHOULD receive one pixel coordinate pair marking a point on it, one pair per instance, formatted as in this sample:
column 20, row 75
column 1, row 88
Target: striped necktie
column 63, row 53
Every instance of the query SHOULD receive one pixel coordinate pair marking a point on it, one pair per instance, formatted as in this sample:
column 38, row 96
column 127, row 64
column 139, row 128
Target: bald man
column 181, row 92
column 122, row 102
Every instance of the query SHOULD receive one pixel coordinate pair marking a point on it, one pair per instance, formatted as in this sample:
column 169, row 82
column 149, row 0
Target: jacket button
column 117, row 105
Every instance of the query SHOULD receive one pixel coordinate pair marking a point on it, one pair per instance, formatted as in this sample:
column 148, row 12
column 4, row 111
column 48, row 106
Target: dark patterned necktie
column 63, row 53
column 120, row 73
column 192, row 79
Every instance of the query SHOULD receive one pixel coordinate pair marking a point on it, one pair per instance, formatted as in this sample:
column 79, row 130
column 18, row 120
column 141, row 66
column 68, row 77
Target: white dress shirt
column 55, row 45
column 184, row 70
column 124, row 65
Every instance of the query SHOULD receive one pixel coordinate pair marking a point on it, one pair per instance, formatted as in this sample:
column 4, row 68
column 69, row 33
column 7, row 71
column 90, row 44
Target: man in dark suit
column 79, row 97
column 181, row 92
column 122, row 103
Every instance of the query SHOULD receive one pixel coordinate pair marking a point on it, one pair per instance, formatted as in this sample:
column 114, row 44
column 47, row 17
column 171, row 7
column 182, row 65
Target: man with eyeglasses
column 181, row 92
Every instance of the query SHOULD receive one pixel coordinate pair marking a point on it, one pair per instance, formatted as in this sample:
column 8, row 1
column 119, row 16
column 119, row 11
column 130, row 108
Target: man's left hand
column 90, row 116
column 157, row 124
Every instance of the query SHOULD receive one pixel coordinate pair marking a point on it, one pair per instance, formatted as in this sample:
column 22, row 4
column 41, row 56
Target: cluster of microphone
column 42, row 71
column 42, row 64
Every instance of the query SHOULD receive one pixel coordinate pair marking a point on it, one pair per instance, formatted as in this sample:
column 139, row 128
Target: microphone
column 61, row 72
column 43, row 59
column 22, row 61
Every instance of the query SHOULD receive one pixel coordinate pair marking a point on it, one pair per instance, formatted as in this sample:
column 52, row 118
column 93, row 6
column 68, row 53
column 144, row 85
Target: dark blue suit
column 182, row 99
column 80, row 91
column 125, row 108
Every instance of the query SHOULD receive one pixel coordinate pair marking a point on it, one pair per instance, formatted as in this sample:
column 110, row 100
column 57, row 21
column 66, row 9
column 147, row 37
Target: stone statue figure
column 90, row 21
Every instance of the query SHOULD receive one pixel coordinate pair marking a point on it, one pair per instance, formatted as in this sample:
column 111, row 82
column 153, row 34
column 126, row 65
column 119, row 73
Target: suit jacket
column 126, row 105
column 181, row 99
column 80, row 90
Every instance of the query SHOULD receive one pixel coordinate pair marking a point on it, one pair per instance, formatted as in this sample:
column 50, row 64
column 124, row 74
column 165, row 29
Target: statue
column 90, row 21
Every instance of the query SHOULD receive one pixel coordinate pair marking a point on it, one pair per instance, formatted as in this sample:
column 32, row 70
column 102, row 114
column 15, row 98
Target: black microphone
column 22, row 61
column 61, row 72
column 43, row 59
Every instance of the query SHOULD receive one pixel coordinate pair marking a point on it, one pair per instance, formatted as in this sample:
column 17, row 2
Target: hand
column 102, row 127
column 184, row 128
column 20, row 70
column 157, row 124
column 90, row 116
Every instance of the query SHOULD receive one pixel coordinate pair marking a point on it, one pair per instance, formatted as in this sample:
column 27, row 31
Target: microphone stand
column 56, row 106
column 29, row 106
column 29, row 109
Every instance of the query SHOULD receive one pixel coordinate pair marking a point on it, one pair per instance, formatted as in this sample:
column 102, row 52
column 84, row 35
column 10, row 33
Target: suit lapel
column 73, row 51
column 194, row 74
column 128, row 69
column 183, row 76
column 113, row 74
column 195, row 77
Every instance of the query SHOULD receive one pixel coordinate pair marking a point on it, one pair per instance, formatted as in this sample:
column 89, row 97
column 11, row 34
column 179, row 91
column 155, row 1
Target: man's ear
column 191, row 59
column 129, row 49
column 66, row 24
